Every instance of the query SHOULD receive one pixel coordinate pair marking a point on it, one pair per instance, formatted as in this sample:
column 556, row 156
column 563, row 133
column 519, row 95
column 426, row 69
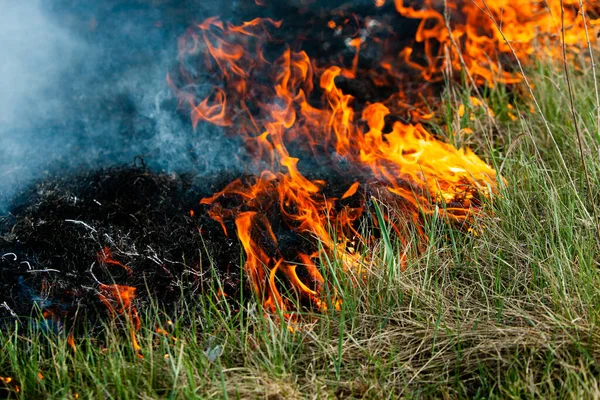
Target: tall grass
column 510, row 310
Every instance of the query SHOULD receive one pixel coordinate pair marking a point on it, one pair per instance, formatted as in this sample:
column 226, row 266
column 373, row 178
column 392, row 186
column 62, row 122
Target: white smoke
column 34, row 51
column 82, row 85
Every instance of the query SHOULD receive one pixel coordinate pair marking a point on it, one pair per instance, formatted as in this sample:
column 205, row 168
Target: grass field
column 510, row 310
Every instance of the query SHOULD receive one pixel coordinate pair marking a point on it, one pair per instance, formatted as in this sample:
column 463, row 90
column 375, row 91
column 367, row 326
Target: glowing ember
column 10, row 383
column 291, row 109
column 104, row 257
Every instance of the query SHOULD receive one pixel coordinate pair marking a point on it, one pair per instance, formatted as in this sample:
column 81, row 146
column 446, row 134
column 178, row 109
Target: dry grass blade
column 529, row 86
column 576, row 122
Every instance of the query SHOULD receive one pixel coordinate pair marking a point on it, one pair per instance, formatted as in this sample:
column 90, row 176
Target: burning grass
column 378, row 284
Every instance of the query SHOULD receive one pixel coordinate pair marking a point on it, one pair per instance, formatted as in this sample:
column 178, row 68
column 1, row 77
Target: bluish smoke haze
column 82, row 85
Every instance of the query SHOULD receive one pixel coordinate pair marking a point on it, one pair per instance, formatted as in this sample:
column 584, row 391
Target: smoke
column 34, row 51
column 82, row 85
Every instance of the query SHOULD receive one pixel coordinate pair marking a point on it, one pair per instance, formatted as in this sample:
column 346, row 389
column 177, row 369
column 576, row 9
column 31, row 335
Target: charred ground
column 62, row 225
column 157, row 237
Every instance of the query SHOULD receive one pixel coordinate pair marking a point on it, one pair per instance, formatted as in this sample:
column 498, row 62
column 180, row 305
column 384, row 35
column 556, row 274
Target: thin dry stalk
column 464, row 66
column 593, row 61
column 575, row 123
column 488, row 12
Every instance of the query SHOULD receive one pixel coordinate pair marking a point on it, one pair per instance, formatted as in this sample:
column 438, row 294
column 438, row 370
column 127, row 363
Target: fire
column 9, row 382
column 292, row 111
column 105, row 258
column 477, row 36
column 119, row 300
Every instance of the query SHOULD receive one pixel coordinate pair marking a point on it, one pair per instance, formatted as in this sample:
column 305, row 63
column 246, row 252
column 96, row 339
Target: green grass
column 509, row 312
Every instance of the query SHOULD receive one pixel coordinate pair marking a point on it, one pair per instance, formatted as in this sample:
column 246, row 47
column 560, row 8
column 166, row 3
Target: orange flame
column 119, row 300
column 105, row 258
column 478, row 35
column 271, row 104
